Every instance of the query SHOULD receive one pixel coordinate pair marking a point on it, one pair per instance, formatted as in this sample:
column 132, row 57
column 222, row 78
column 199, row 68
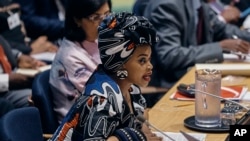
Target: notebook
column 32, row 72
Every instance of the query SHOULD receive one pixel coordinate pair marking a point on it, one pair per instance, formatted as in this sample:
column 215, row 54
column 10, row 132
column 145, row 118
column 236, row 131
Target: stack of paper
column 32, row 72
column 45, row 56
column 228, row 69
column 180, row 137
column 235, row 58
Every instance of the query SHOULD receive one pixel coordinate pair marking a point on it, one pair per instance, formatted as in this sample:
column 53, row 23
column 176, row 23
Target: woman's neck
column 124, row 86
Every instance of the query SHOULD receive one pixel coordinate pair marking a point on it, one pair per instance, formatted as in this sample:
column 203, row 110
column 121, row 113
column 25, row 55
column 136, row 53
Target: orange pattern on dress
column 67, row 126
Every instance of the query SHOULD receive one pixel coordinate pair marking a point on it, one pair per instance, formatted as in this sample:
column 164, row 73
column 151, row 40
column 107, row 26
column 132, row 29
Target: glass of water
column 207, row 107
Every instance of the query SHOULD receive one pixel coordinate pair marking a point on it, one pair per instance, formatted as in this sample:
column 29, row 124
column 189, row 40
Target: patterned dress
column 100, row 111
column 73, row 65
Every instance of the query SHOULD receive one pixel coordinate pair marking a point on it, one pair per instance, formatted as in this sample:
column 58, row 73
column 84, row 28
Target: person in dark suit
column 225, row 13
column 182, row 44
column 43, row 17
column 14, row 87
column 12, row 29
column 241, row 4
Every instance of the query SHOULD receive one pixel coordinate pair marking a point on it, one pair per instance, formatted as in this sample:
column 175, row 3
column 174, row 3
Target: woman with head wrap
column 108, row 107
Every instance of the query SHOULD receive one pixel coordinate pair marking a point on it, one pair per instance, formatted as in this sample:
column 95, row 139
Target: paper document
column 246, row 22
column 246, row 97
column 180, row 137
column 32, row 72
column 242, row 69
column 45, row 56
column 233, row 57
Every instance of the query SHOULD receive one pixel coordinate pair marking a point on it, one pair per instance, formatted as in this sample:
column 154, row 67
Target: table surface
column 168, row 115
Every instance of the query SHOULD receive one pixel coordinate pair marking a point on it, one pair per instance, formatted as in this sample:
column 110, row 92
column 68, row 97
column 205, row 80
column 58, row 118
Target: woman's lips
column 147, row 77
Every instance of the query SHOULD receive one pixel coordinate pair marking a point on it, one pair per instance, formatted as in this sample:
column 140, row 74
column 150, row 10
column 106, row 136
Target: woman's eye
column 142, row 61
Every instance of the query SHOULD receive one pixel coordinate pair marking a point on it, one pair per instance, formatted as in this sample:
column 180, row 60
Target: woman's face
column 139, row 66
column 91, row 23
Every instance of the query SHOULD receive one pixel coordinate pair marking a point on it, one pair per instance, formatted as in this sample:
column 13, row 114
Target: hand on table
column 42, row 44
column 149, row 134
column 25, row 61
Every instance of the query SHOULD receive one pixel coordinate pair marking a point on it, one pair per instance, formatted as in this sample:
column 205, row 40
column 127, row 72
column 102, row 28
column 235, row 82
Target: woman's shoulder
column 101, row 84
column 69, row 49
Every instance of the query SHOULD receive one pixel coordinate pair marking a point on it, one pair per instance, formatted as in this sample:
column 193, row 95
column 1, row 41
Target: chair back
column 43, row 100
column 22, row 124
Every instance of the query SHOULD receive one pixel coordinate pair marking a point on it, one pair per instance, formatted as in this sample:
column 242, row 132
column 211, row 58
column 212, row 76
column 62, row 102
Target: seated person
column 186, row 41
column 108, row 107
column 14, row 87
column 78, row 54
column 243, row 6
column 226, row 13
column 43, row 18
column 12, row 29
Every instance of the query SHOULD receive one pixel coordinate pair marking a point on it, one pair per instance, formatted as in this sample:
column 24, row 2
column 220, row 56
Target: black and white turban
column 119, row 35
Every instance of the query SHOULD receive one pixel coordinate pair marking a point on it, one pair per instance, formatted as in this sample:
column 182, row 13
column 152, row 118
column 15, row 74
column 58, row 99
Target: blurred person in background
column 78, row 54
column 43, row 18
column 189, row 33
column 226, row 13
column 13, row 30
column 15, row 87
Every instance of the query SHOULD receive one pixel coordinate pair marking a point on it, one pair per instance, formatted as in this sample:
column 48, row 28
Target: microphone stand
column 219, row 98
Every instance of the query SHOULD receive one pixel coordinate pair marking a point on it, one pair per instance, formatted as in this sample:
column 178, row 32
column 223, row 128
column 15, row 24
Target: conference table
column 169, row 115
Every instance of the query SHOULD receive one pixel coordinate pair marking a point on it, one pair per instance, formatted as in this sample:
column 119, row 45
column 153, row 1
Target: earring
column 122, row 74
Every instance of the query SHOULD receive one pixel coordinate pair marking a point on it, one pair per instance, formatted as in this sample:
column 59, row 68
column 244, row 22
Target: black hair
column 76, row 10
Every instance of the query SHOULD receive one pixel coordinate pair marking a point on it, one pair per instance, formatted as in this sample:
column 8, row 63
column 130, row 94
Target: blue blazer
column 41, row 18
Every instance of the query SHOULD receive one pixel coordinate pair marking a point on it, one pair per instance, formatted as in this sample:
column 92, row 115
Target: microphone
column 143, row 120
column 206, row 93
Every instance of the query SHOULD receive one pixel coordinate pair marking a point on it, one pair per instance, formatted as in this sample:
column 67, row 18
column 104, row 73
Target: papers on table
column 242, row 69
column 45, row 56
column 180, row 137
column 235, row 58
column 246, row 23
column 32, row 72
column 246, row 97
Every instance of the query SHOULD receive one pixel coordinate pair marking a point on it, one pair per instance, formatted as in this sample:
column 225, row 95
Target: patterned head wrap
column 119, row 35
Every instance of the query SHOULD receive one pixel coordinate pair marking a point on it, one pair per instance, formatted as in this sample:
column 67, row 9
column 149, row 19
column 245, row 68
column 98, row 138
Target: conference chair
column 43, row 100
column 22, row 124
